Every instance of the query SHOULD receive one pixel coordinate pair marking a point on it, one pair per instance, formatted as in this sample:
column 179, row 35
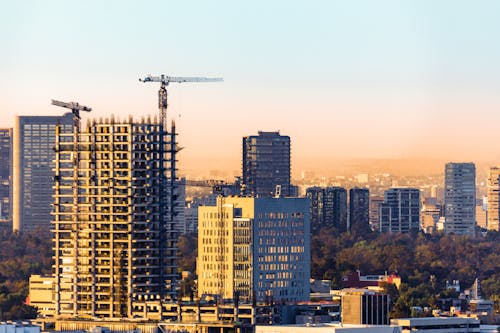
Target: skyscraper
column 335, row 203
column 317, row 210
column 266, row 164
column 359, row 208
column 375, row 202
column 430, row 215
column 114, row 236
column 254, row 249
column 460, row 198
column 33, row 175
column 328, row 208
column 5, row 171
column 493, row 199
column 400, row 211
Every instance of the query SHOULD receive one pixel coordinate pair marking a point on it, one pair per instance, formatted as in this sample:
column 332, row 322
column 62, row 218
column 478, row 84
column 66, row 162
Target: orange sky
column 355, row 79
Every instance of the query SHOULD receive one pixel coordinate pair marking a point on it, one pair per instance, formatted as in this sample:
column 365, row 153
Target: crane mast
column 75, row 109
column 167, row 186
column 164, row 80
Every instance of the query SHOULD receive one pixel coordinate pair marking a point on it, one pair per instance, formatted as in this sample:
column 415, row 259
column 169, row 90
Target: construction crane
column 75, row 109
column 168, row 185
column 216, row 185
column 162, row 93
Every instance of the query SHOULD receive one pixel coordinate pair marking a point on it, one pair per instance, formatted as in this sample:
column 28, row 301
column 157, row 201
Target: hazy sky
column 342, row 78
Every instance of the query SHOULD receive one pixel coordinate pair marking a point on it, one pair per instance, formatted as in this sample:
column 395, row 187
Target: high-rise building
column 317, row 211
column 336, row 208
column 430, row 215
column 114, row 233
column 254, row 249
column 359, row 208
column 180, row 223
column 460, row 198
column 33, row 162
column 328, row 208
column 5, row 172
column 266, row 164
column 493, row 216
column 375, row 202
column 400, row 211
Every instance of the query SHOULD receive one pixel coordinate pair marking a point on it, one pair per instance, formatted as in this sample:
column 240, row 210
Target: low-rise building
column 327, row 328
column 354, row 279
column 364, row 307
column 437, row 324
column 24, row 327
column 41, row 295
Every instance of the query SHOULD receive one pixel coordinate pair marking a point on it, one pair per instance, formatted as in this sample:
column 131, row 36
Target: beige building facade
column 493, row 199
column 254, row 249
column 41, row 295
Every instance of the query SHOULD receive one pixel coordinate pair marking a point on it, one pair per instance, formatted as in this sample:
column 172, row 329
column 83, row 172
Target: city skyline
column 346, row 154
column 385, row 80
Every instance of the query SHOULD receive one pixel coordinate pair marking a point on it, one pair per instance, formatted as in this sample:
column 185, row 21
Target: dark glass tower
column 266, row 164
column 336, row 208
column 359, row 208
column 5, row 171
column 328, row 208
column 400, row 211
column 317, row 211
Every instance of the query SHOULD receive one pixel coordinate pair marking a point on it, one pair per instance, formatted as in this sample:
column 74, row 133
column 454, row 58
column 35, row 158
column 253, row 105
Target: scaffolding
column 114, row 236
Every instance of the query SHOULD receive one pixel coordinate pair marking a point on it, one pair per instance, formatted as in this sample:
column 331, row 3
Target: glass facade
column 359, row 208
column 266, row 164
column 34, row 141
column 460, row 198
column 5, row 172
column 328, row 208
column 400, row 211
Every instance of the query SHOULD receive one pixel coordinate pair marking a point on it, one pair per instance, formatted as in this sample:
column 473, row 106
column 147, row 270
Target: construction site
column 114, row 241
column 114, row 236
column 115, row 203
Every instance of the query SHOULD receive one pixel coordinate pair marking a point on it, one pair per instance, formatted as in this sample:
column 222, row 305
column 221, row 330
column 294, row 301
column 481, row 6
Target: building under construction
column 114, row 236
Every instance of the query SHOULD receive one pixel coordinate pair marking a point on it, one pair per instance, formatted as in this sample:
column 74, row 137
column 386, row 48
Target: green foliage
column 21, row 255
column 423, row 261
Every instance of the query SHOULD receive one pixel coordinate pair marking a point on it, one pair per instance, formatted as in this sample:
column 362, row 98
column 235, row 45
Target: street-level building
column 365, row 307
column 327, row 328
column 41, row 295
column 438, row 324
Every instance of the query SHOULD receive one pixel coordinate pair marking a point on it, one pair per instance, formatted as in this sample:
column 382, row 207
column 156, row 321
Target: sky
column 344, row 79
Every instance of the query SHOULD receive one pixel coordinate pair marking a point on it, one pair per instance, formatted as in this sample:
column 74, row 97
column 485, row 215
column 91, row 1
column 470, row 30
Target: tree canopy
column 423, row 261
column 21, row 255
